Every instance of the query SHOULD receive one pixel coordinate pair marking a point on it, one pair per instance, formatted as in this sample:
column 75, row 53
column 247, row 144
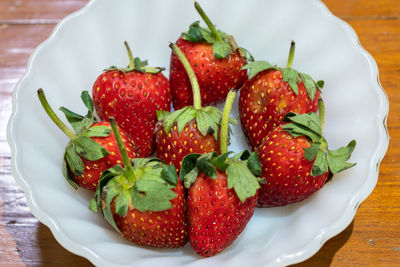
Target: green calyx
column 289, row 75
column 81, row 145
column 243, row 170
column 144, row 184
column 136, row 64
column 208, row 119
column 223, row 44
column 310, row 125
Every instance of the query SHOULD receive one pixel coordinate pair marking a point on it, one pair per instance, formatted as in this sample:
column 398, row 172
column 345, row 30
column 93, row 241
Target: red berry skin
column 94, row 169
column 162, row 229
column 266, row 99
column 286, row 170
column 215, row 76
column 172, row 148
column 216, row 215
column 133, row 98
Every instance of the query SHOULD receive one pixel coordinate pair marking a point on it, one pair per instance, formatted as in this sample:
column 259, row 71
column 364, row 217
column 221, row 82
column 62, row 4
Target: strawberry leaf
column 247, row 55
column 320, row 84
column 162, row 114
column 220, row 162
column 171, row 118
column 254, row 164
column 184, row 118
column 168, row 173
column 221, row 49
column 151, row 195
column 303, row 125
column 87, row 100
column 292, row 77
column 97, row 131
column 66, row 173
column 320, row 165
column 204, row 164
column 188, row 164
column 309, row 84
column 311, row 152
column 89, row 149
column 74, row 161
column 242, row 180
column 258, row 66
column 337, row 159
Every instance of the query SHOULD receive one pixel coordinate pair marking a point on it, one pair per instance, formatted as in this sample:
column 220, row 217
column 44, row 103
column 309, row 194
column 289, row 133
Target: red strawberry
column 144, row 202
column 174, row 146
column 216, row 60
column 296, row 161
column 222, row 198
column 133, row 95
column 192, row 129
column 270, row 94
column 92, row 148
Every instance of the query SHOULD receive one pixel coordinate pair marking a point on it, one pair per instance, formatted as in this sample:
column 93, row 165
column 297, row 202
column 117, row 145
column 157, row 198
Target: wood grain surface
column 372, row 239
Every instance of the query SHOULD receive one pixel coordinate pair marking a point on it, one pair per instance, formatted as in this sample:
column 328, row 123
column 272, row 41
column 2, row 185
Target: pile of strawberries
column 216, row 192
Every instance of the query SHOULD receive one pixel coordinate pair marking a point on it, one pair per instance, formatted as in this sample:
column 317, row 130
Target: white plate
column 92, row 38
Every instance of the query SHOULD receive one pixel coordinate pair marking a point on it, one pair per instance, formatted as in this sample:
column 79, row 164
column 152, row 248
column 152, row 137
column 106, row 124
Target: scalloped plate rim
column 309, row 250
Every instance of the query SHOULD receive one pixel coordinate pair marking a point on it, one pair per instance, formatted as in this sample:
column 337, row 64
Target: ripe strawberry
column 222, row 198
column 270, row 94
column 216, row 60
column 144, row 202
column 133, row 95
column 92, row 148
column 192, row 129
column 296, row 161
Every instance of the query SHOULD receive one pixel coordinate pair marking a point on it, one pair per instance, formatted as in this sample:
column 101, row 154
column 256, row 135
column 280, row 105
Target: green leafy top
column 208, row 119
column 223, row 44
column 243, row 170
column 144, row 184
column 288, row 74
column 310, row 125
column 136, row 64
column 80, row 145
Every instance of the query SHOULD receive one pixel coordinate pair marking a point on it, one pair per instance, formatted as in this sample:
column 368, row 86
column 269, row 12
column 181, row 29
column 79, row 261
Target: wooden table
column 372, row 239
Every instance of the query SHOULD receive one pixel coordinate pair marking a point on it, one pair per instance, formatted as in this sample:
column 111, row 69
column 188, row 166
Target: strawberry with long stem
column 222, row 192
column 270, row 93
column 192, row 129
column 216, row 60
column 133, row 95
column 296, row 161
column 92, row 148
column 144, row 201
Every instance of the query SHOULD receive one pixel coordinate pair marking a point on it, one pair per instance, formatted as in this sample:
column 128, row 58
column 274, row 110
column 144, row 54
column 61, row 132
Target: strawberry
column 133, row 95
column 144, row 202
column 270, row 93
column 92, row 148
column 192, row 129
column 296, row 161
column 222, row 193
column 216, row 60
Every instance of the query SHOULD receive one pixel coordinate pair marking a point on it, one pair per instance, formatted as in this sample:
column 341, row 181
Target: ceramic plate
column 86, row 42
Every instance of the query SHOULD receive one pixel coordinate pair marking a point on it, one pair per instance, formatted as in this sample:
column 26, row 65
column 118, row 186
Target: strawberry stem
column 321, row 111
column 291, row 55
column 192, row 76
column 128, row 170
column 130, row 55
column 53, row 115
column 225, row 121
column 207, row 20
